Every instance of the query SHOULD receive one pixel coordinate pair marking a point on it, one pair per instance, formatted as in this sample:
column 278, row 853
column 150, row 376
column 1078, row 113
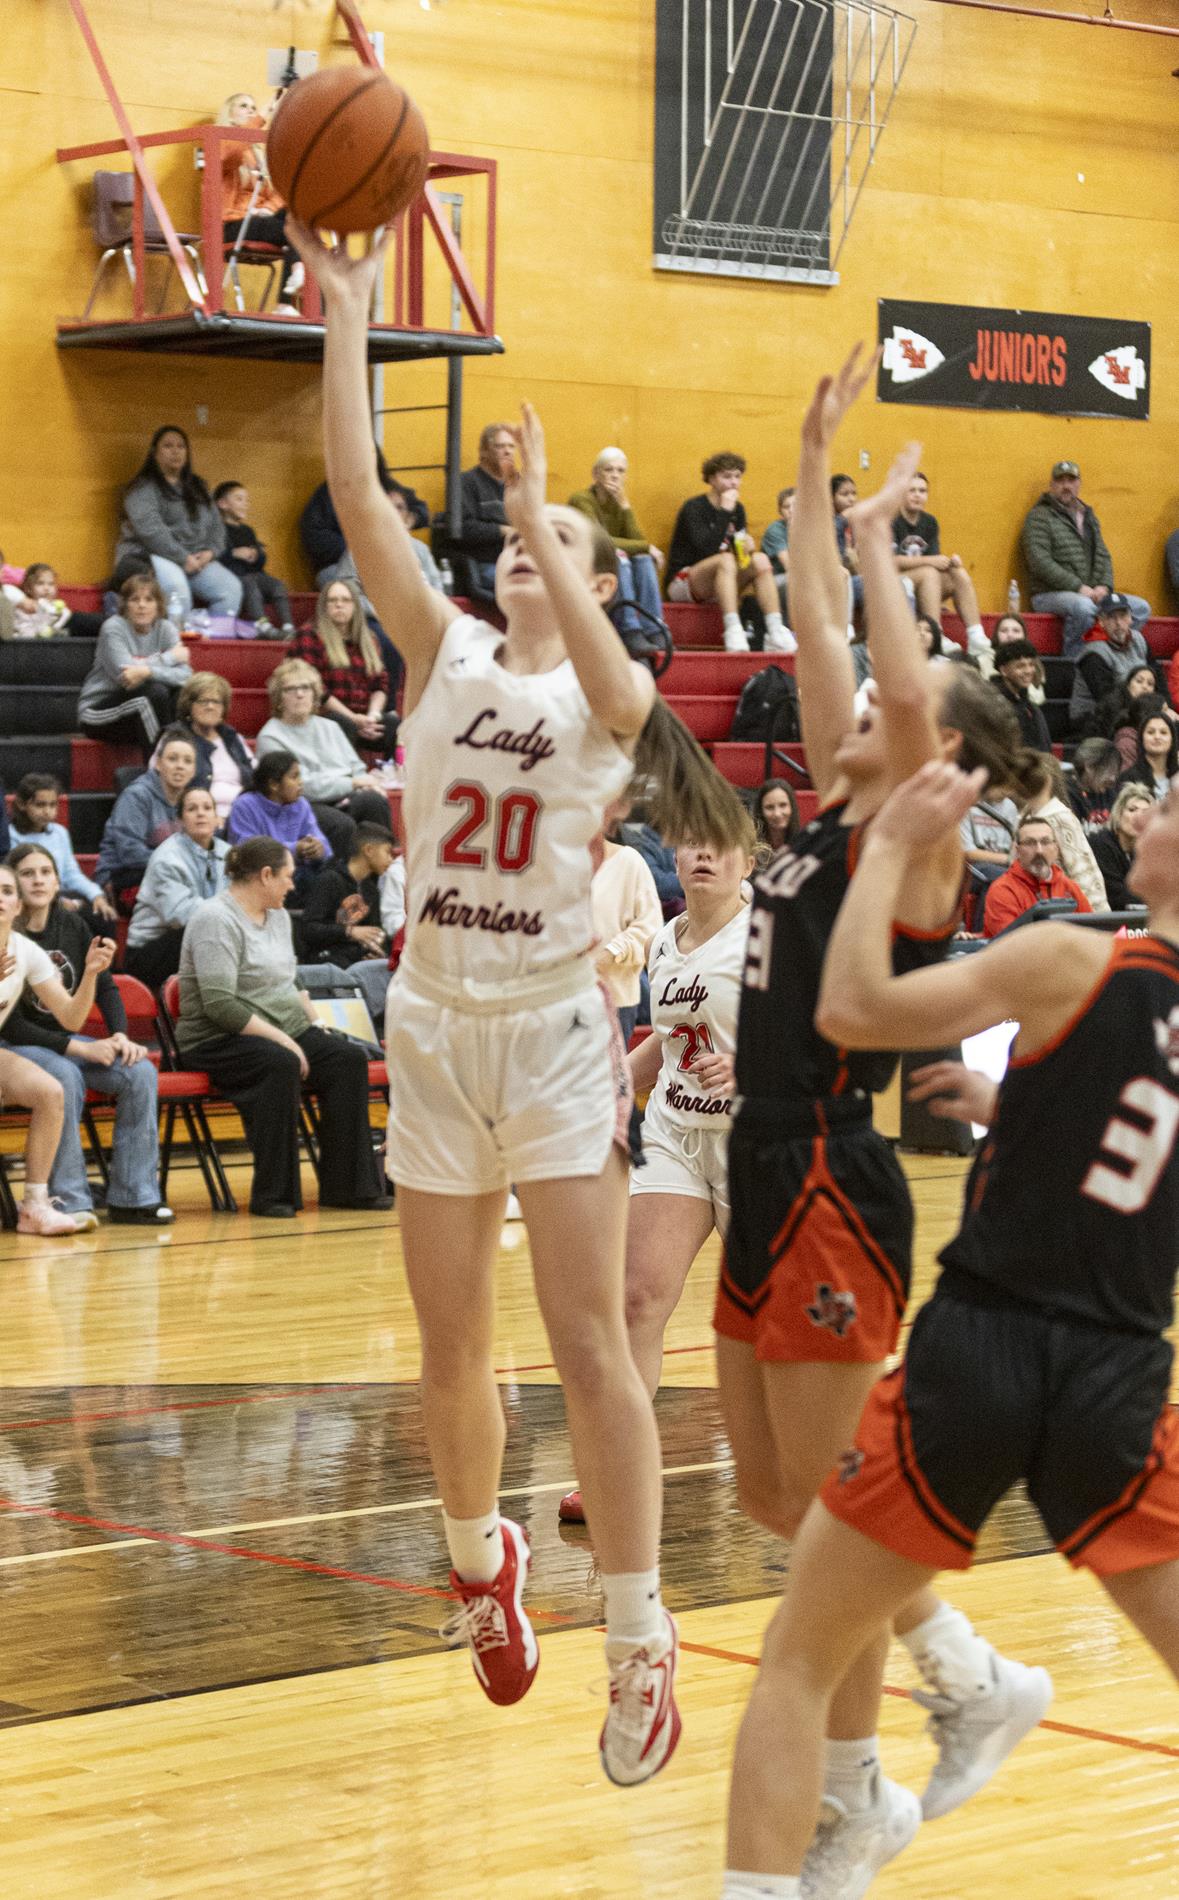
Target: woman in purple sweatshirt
column 276, row 808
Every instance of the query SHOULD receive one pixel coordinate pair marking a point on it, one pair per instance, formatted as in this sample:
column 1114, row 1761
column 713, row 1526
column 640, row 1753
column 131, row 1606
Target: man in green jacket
column 1070, row 567
column 605, row 502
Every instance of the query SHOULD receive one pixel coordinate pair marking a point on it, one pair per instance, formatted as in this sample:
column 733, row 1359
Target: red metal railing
column 408, row 250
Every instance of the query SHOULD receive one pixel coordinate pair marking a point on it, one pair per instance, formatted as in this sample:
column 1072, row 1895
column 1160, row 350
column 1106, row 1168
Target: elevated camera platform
column 269, row 339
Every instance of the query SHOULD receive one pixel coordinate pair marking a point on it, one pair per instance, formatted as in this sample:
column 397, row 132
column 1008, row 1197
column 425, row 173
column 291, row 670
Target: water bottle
column 175, row 611
column 446, row 576
column 1013, row 598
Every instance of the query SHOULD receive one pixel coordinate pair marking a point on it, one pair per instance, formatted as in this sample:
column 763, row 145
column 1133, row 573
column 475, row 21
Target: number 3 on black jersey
column 1147, row 1150
column 514, row 820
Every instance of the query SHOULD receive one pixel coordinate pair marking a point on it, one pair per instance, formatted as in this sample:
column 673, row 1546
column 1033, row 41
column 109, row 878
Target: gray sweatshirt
column 180, row 874
column 330, row 766
column 119, row 646
column 156, row 521
column 232, row 968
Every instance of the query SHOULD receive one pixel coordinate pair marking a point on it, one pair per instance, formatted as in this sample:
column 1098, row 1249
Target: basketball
column 348, row 149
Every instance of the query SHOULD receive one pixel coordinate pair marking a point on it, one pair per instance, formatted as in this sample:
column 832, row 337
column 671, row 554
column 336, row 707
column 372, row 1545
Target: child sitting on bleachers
column 276, row 808
column 34, row 821
column 246, row 557
column 38, row 614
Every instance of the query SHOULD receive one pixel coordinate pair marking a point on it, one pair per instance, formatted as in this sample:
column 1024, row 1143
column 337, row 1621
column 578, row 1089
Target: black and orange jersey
column 796, row 900
column 1073, row 1205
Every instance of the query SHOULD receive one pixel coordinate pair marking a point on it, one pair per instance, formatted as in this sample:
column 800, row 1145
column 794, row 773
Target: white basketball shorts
column 689, row 1161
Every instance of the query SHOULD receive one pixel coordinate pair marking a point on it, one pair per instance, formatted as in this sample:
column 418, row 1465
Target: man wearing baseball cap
column 1105, row 663
column 1069, row 565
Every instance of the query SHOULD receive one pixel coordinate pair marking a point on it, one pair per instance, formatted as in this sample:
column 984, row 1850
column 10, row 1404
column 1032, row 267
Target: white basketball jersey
column 694, row 1000
column 507, row 778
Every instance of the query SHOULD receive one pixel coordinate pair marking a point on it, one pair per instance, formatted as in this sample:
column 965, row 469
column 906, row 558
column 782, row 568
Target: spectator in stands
column 1103, row 664
column 775, row 545
column 1157, row 758
column 658, row 857
column 342, row 927
column 639, row 561
column 34, row 821
column 39, row 613
column 1096, row 766
column 844, row 495
column 1034, row 877
column 144, row 815
column 249, row 199
column 223, row 762
column 276, row 808
column 320, row 531
column 1074, row 853
column 245, row 1023
column 713, row 558
column 1008, row 628
column 26, row 1084
column 1070, row 566
column 425, row 559
column 484, row 523
column 1114, row 847
column 988, row 840
column 140, row 664
column 109, row 1065
column 343, row 651
column 935, row 577
column 245, row 556
column 184, row 870
column 1118, row 712
column 626, row 913
column 342, row 793
column 1015, row 674
column 392, row 890
column 171, row 526
column 929, row 632
column 775, row 814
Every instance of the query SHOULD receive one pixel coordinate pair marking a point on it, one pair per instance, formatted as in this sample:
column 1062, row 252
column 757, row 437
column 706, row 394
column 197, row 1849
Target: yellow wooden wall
column 1026, row 164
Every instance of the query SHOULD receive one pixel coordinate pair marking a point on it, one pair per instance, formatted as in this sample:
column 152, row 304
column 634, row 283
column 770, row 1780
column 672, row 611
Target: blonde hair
column 201, row 686
column 1133, row 794
column 293, row 673
column 225, row 115
column 358, row 633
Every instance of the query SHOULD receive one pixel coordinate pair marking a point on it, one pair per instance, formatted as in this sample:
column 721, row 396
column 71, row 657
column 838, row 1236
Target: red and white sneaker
column 642, row 1724
column 571, row 1510
column 492, row 1623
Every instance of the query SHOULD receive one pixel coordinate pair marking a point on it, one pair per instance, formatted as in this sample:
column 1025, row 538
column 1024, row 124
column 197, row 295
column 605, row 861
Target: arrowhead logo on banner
column 1121, row 371
column 908, row 356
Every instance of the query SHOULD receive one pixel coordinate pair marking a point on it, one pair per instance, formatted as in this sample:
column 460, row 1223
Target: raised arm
column 72, row 1011
column 620, row 691
column 1040, row 976
column 378, row 541
column 899, row 665
column 818, row 580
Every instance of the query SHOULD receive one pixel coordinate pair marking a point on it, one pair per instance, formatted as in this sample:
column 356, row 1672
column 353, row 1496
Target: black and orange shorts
column 818, row 1253
column 993, row 1390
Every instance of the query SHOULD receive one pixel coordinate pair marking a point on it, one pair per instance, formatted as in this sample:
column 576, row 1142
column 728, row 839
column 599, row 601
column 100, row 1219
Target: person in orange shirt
column 1035, row 875
column 248, row 197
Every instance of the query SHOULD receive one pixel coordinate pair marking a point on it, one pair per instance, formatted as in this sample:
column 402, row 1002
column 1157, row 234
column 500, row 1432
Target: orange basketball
column 348, row 149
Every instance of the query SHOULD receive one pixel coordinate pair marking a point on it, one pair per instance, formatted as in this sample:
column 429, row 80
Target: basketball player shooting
column 1041, row 1355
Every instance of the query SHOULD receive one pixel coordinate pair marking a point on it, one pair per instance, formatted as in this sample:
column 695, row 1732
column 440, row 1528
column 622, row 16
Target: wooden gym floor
column 222, row 1576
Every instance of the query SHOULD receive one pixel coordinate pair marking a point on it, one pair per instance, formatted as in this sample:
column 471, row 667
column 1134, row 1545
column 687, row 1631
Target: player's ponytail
column 990, row 735
column 685, row 795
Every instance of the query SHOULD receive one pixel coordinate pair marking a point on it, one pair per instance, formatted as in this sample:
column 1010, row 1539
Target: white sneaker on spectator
column 296, row 278
column 285, row 310
column 736, row 639
column 783, row 642
column 849, row 1850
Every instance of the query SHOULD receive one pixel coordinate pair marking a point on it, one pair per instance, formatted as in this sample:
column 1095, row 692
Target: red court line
column 547, row 1365
column 179, row 1405
column 253, row 1556
column 1058, row 1728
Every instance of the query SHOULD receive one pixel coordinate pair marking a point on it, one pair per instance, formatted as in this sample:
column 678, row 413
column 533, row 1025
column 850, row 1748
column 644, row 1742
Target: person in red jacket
column 1034, row 876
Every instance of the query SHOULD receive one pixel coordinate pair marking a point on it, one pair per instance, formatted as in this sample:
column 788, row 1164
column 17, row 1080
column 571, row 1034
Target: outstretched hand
column 834, row 396
column 342, row 277
column 928, row 806
column 878, row 511
column 525, row 484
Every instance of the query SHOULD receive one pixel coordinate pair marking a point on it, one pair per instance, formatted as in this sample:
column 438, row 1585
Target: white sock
column 36, row 1193
column 634, row 1608
column 476, row 1546
column 779, row 638
column 761, row 1886
column 951, row 1657
column 733, row 626
column 976, row 638
column 851, row 1772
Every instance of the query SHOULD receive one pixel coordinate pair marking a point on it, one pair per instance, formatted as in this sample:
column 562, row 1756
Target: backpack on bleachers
column 761, row 697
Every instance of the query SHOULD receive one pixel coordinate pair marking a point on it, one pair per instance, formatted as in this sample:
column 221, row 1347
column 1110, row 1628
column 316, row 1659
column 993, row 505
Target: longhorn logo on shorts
column 835, row 1310
column 851, row 1463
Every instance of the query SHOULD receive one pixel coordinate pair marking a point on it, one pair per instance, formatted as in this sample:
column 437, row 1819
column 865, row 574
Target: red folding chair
column 183, row 1091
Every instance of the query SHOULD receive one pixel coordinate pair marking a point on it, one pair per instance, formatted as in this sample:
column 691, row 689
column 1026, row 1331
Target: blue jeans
column 638, row 580
column 135, row 1152
column 215, row 587
column 1078, row 613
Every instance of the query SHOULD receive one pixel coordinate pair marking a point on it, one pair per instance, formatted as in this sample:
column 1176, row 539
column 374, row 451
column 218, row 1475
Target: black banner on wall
column 954, row 356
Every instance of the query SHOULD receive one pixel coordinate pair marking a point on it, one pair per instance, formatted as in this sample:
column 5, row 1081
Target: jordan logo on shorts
column 836, row 1311
column 577, row 1022
column 851, row 1463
